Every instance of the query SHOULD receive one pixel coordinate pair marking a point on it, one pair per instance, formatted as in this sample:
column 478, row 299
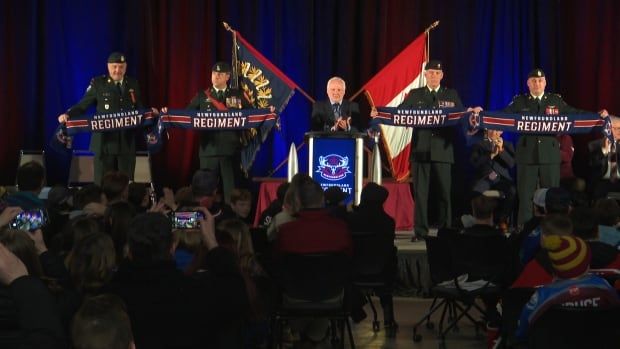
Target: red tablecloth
column 399, row 203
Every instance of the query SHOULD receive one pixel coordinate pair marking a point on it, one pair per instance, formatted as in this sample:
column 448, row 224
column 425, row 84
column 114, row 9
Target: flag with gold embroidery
column 264, row 85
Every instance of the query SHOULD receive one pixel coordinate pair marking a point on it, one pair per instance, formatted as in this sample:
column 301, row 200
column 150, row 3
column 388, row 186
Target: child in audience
column 572, row 287
column 240, row 206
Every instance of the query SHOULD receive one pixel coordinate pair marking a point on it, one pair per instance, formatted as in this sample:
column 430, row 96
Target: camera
column 30, row 220
column 186, row 219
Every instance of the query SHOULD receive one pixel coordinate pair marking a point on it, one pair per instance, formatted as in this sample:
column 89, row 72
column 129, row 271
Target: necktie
column 434, row 95
column 219, row 94
column 613, row 163
column 538, row 105
column 336, row 107
column 119, row 88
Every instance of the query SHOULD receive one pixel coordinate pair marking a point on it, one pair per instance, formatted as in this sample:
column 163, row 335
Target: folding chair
column 449, row 256
column 440, row 265
column 373, row 267
column 313, row 286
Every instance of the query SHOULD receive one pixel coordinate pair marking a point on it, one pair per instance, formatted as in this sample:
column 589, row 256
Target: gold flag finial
column 432, row 26
column 227, row 27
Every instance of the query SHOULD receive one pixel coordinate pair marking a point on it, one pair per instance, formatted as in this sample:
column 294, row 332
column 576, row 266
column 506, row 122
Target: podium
column 336, row 159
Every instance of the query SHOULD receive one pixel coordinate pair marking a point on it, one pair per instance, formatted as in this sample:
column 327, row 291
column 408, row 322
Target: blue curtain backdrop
column 49, row 51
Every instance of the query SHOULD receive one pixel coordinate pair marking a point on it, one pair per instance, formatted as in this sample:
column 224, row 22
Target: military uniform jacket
column 103, row 92
column 432, row 144
column 219, row 143
column 538, row 149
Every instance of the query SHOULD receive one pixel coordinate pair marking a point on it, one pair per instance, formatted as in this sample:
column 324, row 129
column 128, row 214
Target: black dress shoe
column 416, row 238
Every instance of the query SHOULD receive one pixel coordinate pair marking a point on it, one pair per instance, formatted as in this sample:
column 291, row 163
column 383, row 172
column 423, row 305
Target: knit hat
column 570, row 256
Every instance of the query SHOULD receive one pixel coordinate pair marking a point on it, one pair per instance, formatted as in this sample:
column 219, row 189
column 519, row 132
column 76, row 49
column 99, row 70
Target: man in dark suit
column 538, row 156
column 335, row 114
column 114, row 92
column 218, row 148
column 603, row 162
column 432, row 153
column 492, row 159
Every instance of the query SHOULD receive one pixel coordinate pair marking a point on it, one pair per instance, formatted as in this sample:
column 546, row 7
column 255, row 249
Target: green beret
column 536, row 73
column 433, row 64
column 221, row 67
column 117, row 57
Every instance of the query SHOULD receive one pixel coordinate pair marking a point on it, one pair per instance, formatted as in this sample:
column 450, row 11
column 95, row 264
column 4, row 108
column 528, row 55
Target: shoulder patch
column 91, row 84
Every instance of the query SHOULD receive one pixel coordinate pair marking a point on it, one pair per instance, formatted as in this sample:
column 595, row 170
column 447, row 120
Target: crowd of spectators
column 111, row 269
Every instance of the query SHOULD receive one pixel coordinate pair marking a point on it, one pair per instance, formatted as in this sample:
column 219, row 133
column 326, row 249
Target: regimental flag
column 264, row 85
column 389, row 88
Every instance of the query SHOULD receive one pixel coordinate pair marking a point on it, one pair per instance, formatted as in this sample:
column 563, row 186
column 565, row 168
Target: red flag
column 389, row 88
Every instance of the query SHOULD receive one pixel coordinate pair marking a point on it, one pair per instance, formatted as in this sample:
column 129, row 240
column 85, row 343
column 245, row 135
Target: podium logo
column 333, row 167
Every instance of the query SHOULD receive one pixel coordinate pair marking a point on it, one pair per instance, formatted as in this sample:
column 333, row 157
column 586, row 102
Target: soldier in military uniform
column 432, row 154
column 114, row 92
column 537, row 156
column 218, row 148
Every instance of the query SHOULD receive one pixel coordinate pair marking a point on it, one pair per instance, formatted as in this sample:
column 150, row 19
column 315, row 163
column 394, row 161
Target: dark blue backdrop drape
column 49, row 50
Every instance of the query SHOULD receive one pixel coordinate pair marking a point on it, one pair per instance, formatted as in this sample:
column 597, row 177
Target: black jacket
column 597, row 161
column 29, row 317
column 170, row 310
column 323, row 115
column 483, row 164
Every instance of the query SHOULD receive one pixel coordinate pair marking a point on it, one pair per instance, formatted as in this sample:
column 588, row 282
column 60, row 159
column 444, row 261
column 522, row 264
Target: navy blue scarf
column 62, row 139
column 542, row 124
column 122, row 120
column 419, row 118
column 236, row 119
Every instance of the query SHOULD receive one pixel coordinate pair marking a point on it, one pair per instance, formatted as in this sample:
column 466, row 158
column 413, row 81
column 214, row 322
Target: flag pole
column 230, row 29
column 427, row 52
column 427, row 31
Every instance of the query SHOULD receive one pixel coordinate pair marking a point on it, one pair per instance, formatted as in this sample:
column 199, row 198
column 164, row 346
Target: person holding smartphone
column 169, row 308
column 8, row 214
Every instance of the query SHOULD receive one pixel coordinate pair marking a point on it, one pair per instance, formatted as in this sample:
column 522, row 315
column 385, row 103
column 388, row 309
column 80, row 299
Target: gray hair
column 338, row 79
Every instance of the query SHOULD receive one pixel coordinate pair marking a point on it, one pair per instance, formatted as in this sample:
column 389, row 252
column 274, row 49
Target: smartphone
column 186, row 219
column 30, row 220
